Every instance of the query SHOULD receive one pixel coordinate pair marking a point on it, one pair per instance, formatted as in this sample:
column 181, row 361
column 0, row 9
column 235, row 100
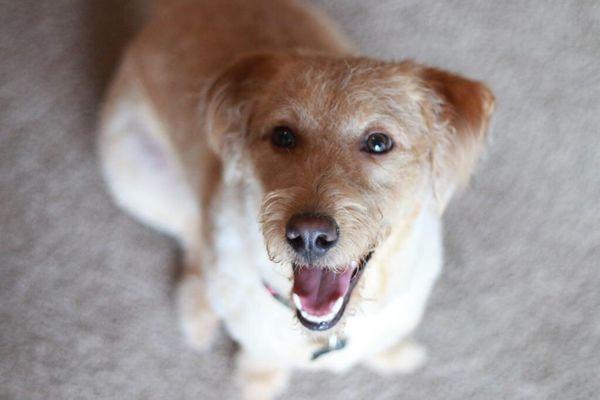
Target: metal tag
column 333, row 344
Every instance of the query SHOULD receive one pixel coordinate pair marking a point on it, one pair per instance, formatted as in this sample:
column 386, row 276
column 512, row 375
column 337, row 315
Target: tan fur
column 185, row 147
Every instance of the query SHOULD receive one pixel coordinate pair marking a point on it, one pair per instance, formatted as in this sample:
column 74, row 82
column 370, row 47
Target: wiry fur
column 185, row 147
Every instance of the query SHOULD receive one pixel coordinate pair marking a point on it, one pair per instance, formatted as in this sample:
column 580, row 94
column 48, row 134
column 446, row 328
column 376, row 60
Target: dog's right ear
column 231, row 96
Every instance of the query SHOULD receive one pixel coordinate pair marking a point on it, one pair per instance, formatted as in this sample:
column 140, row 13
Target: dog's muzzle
column 320, row 293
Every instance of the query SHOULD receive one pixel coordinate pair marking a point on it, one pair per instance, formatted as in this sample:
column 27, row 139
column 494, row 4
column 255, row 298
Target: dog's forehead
column 343, row 95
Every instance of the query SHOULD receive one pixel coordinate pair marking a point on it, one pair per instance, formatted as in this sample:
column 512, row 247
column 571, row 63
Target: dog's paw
column 198, row 322
column 263, row 385
column 403, row 358
column 259, row 381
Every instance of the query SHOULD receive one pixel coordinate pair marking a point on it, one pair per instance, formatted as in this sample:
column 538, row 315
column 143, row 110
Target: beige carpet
column 86, row 294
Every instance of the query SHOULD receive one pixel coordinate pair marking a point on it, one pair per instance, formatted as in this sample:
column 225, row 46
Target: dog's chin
column 320, row 295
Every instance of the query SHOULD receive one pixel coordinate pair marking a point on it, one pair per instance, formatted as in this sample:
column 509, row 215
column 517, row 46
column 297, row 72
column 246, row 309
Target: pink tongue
column 319, row 288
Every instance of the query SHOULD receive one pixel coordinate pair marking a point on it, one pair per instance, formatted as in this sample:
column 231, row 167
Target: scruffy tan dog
column 304, row 183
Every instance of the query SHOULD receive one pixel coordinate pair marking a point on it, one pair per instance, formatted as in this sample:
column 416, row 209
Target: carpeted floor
column 86, row 294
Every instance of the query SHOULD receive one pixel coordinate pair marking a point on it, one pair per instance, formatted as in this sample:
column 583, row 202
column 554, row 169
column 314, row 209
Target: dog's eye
column 378, row 143
column 283, row 137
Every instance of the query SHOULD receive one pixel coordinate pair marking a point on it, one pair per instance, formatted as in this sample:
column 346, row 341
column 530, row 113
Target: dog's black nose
column 311, row 235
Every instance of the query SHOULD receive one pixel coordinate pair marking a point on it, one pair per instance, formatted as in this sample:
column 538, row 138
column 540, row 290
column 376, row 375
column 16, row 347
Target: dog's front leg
column 259, row 379
column 404, row 357
column 199, row 322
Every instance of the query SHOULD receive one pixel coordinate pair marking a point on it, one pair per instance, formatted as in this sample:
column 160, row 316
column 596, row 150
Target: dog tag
column 333, row 344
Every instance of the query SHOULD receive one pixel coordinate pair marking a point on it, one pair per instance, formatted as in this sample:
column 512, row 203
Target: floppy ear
column 459, row 113
column 231, row 96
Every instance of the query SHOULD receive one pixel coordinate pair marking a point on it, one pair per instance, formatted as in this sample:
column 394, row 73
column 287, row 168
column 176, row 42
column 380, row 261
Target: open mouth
column 320, row 295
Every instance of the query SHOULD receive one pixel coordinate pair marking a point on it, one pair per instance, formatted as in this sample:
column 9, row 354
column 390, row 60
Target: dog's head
column 343, row 150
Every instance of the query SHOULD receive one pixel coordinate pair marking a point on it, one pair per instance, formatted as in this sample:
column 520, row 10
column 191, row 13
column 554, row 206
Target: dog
column 304, row 183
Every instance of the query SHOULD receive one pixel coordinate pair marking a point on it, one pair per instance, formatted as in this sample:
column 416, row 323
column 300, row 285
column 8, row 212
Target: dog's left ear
column 230, row 98
column 458, row 112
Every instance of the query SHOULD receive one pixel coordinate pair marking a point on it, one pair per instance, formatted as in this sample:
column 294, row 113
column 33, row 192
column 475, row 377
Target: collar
column 333, row 342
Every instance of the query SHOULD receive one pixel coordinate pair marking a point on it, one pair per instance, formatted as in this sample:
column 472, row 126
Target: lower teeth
column 322, row 318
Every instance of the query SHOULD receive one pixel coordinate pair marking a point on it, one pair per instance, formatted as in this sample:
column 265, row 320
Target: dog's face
column 344, row 150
